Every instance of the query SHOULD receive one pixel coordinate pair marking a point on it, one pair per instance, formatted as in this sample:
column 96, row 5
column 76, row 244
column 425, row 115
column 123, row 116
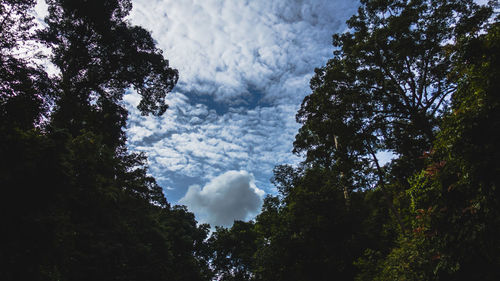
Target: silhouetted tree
column 25, row 87
column 416, row 79
column 76, row 205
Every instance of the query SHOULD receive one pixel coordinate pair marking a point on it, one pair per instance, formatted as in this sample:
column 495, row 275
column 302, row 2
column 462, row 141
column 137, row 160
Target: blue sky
column 244, row 69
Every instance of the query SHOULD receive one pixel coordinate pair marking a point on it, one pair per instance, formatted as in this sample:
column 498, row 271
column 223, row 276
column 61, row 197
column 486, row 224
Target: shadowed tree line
column 75, row 204
column 416, row 80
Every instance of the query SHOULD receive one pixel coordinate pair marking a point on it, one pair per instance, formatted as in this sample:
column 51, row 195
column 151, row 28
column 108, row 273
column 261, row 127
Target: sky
column 244, row 69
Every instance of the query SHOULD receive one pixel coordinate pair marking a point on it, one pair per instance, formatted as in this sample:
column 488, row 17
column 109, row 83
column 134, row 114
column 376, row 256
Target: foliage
column 233, row 251
column 25, row 88
column 461, row 179
column 417, row 79
column 75, row 204
column 385, row 87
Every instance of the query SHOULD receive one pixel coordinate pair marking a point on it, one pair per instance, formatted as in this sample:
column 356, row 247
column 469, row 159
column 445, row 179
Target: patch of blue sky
column 244, row 69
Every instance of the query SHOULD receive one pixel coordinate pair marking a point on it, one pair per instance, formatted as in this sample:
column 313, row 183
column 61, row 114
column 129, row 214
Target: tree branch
column 384, row 190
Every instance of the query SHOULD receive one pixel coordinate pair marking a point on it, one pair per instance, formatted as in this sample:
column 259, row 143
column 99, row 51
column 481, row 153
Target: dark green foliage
column 233, row 251
column 385, row 87
column 75, row 204
column 100, row 55
column 285, row 177
column 461, row 180
column 25, row 87
column 418, row 79
column 318, row 224
column 384, row 91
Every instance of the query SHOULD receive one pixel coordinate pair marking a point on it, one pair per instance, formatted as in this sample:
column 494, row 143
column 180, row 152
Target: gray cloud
column 228, row 197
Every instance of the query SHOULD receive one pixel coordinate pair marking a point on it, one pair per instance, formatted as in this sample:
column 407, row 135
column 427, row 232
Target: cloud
column 244, row 69
column 241, row 139
column 223, row 47
column 226, row 198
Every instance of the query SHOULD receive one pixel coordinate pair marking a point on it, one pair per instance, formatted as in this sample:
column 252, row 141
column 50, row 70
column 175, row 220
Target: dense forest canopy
column 417, row 79
column 414, row 79
column 76, row 204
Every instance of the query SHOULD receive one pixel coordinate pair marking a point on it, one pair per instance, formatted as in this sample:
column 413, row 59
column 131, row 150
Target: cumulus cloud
column 226, row 198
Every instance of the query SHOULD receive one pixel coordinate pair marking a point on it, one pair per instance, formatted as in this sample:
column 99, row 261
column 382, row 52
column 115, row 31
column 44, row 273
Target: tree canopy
column 76, row 205
column 416, row 79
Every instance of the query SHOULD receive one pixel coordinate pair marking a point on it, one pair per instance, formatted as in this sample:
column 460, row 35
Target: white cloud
column 220, row 47
column 253, row 59
column 251, row 139
column 226, row 198
column 244, row 69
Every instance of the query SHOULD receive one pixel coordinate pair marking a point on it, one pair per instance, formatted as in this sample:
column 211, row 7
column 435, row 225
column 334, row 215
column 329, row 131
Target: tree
column 385, row 89
column 100, row 55
column 25, row 88
column 76, row 204
column 233, row 251
column 460, row 182
column 309, row 233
